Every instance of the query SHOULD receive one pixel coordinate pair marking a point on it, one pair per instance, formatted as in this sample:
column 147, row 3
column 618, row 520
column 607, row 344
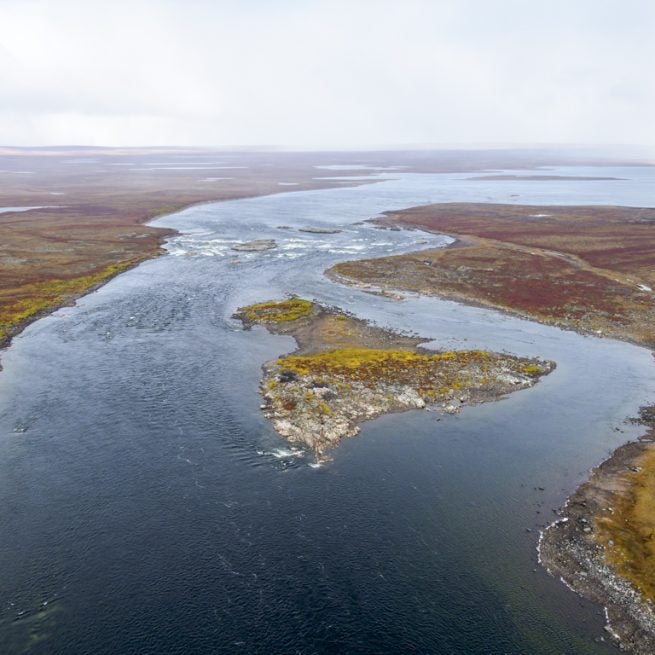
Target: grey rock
column 256, row 245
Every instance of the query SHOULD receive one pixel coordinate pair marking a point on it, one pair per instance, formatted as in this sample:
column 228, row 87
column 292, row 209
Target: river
column 147, row 507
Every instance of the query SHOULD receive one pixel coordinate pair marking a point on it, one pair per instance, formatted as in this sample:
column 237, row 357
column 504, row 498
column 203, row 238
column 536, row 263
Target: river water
column 146, row 506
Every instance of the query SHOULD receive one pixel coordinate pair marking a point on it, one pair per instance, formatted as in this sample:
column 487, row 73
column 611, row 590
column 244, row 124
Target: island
column 257, row 245
column 346, row 371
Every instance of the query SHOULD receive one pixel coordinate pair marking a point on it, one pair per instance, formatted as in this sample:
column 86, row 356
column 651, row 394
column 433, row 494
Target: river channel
column 147, row 506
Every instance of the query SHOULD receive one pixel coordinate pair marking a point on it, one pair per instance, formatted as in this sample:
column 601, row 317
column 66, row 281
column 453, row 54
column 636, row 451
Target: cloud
column 326, row 73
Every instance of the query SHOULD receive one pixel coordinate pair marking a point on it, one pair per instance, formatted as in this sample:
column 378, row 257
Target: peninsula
column 590, row 269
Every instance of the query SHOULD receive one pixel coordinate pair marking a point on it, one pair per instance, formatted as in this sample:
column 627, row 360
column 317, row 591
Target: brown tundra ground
column 587, row 268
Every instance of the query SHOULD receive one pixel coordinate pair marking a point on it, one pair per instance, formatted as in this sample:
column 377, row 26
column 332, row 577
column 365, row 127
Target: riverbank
column 590, row 269
column 133, row 421
column 346, row 371
column 73, row 219
column 582, row 268
column 602, row 545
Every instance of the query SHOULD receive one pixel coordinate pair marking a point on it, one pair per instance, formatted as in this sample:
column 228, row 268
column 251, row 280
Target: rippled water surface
column 148, row 507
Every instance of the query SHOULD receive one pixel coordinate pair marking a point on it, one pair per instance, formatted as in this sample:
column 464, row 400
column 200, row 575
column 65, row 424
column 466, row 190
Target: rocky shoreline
column 574, row 550
column 346, row 371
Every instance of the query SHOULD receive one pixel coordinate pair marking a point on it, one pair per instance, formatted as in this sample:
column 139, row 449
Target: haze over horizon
column 327, row 74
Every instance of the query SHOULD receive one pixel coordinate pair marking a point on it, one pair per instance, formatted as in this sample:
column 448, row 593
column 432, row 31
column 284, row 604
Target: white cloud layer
column 330, row 73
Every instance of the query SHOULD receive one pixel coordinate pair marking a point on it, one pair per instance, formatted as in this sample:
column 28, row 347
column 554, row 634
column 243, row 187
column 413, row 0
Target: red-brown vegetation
column 588, row 268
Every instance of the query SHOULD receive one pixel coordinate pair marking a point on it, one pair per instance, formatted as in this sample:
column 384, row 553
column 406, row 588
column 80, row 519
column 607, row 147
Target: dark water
column 147, row 507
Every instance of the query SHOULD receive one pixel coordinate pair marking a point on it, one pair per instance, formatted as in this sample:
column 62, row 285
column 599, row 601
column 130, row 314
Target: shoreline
column 459, row 244
column 398, row 293
column 9, row 332
column 71, row 299
column 564, row 549
column 499, row 270
column 568, row 549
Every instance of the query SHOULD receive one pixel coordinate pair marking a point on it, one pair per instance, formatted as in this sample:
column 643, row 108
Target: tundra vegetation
column 591, row 269
column 625, row 530
column 604, row 543
column 93, row 204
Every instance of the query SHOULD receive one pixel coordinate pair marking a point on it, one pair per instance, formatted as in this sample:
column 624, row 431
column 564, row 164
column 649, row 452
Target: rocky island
column 255, row 246
column 346, row 371
column 319, row 230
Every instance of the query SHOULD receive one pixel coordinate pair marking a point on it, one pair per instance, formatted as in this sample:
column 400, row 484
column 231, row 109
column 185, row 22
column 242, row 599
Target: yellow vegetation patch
column 628, row 532
column 280, row 311
column 32, row 299
column 400, row 366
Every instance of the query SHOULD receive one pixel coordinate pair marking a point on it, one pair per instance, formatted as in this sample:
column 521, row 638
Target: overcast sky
column 333, row 73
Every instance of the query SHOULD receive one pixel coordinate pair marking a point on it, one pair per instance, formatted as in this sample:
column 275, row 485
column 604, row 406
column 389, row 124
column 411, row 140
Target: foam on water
column 351, row 239
column 281, row 453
